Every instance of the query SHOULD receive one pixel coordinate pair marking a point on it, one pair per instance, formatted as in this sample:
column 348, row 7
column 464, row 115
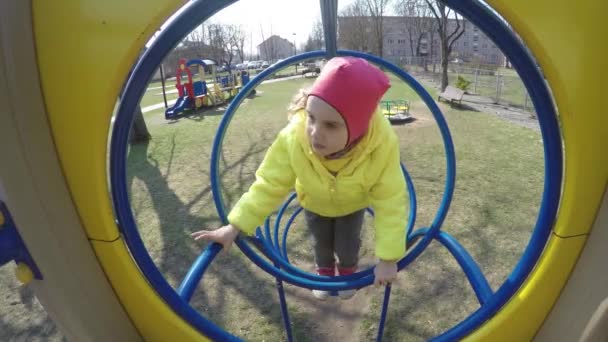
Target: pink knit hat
column 353, row 87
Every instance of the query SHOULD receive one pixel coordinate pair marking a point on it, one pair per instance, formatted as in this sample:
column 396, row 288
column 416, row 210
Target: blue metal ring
column 426, row 97
column 283, row 246
column 496, row 29
column 197, row 12
column 477, row 14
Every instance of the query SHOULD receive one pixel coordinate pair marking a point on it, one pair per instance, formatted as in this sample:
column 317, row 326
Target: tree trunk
column 444, row 66
column 139, row 131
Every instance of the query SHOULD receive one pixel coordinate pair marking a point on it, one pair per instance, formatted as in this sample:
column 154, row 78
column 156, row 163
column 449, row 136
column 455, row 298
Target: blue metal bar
column 496, row 29
column 447, row 142
column 480, row 284
column 12, row 247
column 329, row 14
column 365, row 277
column 195, row 274
column 266, row 248
column 284, row 310
column 411, row 221
column 277, row 223
column 387, row 296
column 323, row 283
column 286, row 231
column 197, row 12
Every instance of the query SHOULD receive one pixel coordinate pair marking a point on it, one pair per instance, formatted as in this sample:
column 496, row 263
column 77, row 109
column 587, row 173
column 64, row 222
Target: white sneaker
column 320, row 294
column 346, row 294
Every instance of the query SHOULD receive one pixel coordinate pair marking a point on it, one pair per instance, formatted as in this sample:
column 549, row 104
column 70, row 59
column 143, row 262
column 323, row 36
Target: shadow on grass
column 198, row 115
column 179, row 250
column 44, row 329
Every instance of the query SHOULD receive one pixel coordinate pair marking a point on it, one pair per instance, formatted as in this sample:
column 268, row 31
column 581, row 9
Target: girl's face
column 327, row 131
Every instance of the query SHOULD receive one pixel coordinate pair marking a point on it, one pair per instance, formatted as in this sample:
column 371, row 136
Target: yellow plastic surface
column 85, row 51
column 521, row 318
column 564, row 38
column 24, row 273
column 86, row 48
column 154, row 319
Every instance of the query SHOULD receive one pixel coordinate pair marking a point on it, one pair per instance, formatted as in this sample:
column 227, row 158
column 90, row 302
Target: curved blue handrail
column 195, row 274
column 478, row 282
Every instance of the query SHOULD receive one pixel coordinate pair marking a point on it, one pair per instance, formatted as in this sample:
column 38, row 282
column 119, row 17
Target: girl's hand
column 224, row 235
column 385, row 272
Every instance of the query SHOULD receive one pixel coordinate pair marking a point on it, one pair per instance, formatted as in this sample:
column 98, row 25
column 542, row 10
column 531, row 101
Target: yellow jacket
column 368, row 175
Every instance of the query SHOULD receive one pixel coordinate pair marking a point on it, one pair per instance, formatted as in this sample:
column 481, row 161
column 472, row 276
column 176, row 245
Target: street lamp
column 295, row 50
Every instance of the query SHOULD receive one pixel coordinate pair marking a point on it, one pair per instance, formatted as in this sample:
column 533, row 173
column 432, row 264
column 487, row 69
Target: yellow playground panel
column 57, row 190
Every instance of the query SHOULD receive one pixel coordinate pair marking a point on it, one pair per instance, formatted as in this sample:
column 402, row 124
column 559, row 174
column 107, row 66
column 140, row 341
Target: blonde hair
column 298, row 102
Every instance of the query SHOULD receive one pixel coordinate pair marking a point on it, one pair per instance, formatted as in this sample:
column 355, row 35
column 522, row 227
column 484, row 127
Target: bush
column 462, row 83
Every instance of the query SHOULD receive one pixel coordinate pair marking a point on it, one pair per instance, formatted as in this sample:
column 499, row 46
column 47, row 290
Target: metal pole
column 295, row 49
column 476, row 78
column 329, row 14
column 162, row 81
column 387, row 295
column 496, row 97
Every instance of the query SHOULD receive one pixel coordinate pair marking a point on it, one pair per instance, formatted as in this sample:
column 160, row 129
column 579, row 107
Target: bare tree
column 353, row 26
column 442, row 15
column 318, row 36
column 419, row 24
column 218, row 40
column 377, row 9
column 196, row 40
column 238, row 39
column 226, row 41
column 194, row 45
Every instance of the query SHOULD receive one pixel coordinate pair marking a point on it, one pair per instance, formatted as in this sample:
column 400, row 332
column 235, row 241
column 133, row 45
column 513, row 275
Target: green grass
column 496, row 199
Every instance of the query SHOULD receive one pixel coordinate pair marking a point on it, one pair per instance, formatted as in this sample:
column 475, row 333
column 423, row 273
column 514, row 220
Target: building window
column 475, row 49
column 390, row 41
column 475, row 38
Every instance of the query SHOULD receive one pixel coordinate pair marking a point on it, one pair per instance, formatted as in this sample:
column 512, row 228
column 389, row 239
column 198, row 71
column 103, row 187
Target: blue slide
column 180, row 105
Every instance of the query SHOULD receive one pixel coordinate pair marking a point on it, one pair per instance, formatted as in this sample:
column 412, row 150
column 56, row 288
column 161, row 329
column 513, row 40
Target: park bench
column 451, row 94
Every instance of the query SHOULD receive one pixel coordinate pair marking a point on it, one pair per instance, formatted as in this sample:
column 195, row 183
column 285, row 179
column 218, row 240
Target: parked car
column 265, row 65
column 254, row 65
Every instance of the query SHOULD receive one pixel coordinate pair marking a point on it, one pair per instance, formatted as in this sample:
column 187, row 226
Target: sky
column 283, row 17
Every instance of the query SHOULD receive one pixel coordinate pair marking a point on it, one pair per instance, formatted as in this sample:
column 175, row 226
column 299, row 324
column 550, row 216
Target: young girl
column 342, row 156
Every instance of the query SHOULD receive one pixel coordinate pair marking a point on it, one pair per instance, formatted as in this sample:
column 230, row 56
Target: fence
column 497, row 84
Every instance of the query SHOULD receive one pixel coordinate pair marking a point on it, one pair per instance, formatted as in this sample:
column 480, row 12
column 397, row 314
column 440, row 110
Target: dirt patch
column 334, row 319
column 22, row 317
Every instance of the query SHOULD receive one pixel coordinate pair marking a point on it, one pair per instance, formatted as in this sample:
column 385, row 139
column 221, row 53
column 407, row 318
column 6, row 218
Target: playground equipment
column 82, row 240
column 397, row 111
column 194, row 95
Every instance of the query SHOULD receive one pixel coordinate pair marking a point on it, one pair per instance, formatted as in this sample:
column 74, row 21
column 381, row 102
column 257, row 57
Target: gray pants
column 339, row 235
